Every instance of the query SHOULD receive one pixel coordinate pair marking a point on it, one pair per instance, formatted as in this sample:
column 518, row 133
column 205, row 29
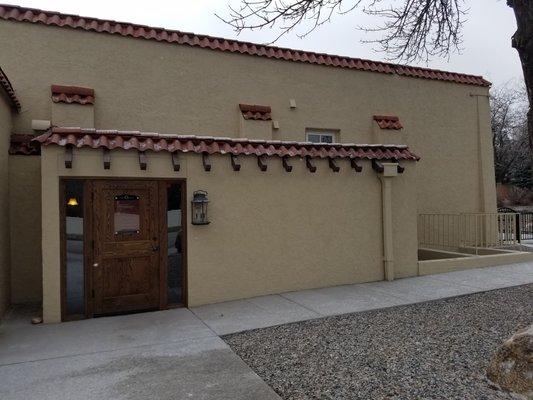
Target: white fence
column 474, row 230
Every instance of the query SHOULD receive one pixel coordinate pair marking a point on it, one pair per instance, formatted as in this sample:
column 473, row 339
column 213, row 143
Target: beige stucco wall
column 271, row 231
column 5, row 131
column 152, row 86
column 25, row 213
column 64, row 114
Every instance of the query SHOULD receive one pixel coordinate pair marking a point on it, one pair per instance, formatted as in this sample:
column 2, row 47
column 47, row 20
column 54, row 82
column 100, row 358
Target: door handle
column 155, row 247
column 95, row 265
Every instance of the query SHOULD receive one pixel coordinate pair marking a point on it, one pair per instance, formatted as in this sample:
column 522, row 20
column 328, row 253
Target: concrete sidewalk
column 177, row 354
column 261, row 312
column 161, row 355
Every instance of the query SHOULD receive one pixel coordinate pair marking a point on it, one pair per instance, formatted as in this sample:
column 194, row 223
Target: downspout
column 481, row 192
column 487, row 200
column 387, row 171
column 482, row 162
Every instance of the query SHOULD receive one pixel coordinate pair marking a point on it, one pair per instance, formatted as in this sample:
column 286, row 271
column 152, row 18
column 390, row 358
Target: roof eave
column 9, row 91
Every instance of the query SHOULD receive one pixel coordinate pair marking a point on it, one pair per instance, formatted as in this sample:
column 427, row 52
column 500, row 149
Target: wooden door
column 125, row 267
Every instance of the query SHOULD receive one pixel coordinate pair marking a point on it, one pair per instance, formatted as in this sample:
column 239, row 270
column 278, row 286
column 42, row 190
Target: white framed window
column 321, row 136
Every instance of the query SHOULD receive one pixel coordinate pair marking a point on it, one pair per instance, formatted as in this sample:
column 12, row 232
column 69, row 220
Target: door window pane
column 126, row 214
column 75, row 274
column 175, row 245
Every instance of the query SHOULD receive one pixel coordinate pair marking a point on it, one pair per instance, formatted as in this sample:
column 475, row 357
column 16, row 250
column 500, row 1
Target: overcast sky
column 487, row 34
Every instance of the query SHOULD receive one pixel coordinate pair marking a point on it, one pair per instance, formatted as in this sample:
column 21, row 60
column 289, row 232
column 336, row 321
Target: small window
column 321, row 137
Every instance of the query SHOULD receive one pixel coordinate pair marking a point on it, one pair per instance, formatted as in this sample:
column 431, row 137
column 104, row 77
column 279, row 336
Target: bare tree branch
column 509, row 105
column 411, row 30
column 418, row 29
column 259, row 14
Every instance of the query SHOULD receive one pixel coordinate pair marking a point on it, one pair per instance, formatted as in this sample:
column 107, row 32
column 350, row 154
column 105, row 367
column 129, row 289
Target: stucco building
column 315, row 166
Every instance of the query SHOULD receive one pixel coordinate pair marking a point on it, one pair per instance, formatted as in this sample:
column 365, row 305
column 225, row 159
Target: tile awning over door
column 134, row 140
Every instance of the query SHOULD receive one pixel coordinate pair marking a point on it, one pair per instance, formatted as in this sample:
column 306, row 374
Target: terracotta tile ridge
column 51, row 18
column 255, row 108
column 72, row 90
column 10, row 91
column 386, row 117
column 112, row 132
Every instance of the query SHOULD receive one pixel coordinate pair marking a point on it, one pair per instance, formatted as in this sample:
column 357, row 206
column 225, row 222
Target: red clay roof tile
column 51, row 18
column 21, row 144
column 10, row 92
column 388, row 122
column 255, row 112
column 72, row 94
column 113, row 139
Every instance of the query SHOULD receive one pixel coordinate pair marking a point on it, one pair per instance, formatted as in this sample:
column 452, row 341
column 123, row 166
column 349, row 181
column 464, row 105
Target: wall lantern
column 199, row 208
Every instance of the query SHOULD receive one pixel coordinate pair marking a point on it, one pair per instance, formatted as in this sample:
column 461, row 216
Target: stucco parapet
column 52, row 18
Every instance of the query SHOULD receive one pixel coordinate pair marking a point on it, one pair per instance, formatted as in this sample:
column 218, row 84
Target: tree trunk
column 523, row 43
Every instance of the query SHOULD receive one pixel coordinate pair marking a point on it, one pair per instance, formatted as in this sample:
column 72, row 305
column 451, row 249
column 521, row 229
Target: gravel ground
column 434, row 350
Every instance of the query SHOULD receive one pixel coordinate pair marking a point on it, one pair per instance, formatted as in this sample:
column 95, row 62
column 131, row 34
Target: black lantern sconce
column 199, row 208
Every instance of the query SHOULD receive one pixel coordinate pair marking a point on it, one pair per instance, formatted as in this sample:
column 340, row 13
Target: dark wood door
column 126, row 258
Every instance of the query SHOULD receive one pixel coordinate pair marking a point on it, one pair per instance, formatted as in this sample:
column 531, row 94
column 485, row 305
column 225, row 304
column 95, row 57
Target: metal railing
column 526, row 225
column 524, row 222
column 467, row 230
